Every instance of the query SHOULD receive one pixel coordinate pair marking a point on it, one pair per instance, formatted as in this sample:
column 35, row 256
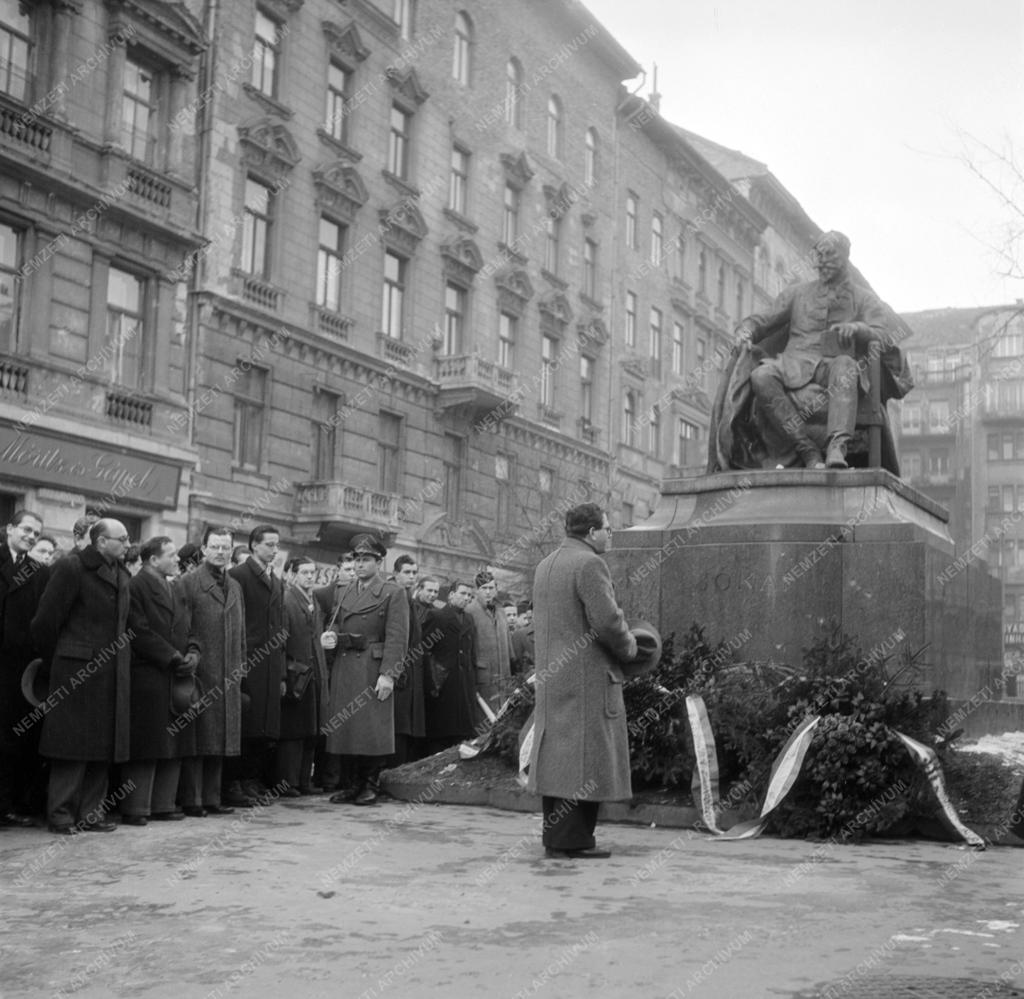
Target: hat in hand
column 648, row 650
column 35, row 684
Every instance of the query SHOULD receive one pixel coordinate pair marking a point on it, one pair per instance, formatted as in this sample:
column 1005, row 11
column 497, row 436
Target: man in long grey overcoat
column 580, row 754
column 214, row 618
column 371, row 621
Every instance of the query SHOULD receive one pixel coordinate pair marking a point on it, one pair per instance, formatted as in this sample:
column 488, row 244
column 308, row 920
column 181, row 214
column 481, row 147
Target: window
column 453, row 461
column 741, row 295
column 510, row 216
column 631, row 211
column 630, row 427
column 392, row 314
column 678, row 334
column 590, row 158
column 328, row 265
column 507, row 340
column 678, row 259
column 546, row 487
column 454, row 318
column 686, row 433
column 250, row 406
column 552, row 239
column 910, row 418
column 630, row 319
column 586, row 387
column 1009, row 344
column 657, row 240
column 324, row 434
column 654, row 432
column 10, row 259
column 590, row 268
column 504, row 473
column 403, row 14
column 702, row 272
column 701, row 351
column 627, row 514
column 138, row 110
column 548, row 368
column 389, row 452
column 14, row 49
column 938, row 416
column 256, row 228
column 1006, row 493
column 938, row 463
column 266, row 52
column 398, row 142
column 460, row 50
column 1005, row 447
column 993, row 499
column 514, row 93
column 554, row 131
column 125, row 328
column 339, row 86
column 721, row 286
column 910, row 464
column 458, row 180
column 654, row 346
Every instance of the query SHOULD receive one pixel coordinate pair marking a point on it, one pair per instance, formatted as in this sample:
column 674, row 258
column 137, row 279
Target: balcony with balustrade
column 469, row 383
column 333, row 511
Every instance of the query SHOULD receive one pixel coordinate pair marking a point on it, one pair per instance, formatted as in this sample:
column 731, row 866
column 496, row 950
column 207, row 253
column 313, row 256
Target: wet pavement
column 306, row 899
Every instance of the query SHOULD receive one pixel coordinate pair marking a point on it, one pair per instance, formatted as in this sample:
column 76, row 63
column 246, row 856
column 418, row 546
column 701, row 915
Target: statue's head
column 832, row 254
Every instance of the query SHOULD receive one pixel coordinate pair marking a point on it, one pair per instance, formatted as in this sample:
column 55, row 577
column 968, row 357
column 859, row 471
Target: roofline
column 608, row 45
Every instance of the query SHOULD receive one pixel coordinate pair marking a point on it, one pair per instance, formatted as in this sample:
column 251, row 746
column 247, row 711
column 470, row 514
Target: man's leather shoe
column 345, row 796
column 290, row 792
column 134, row 820
column 835, row 456
column 235, row 799
column 167, row 816
column 365, row 797
column 16, row 821
column 254, row 789
column 577, row 854
column 99, row 827
column 219, row 810
column 194, row 811
column 62, row 829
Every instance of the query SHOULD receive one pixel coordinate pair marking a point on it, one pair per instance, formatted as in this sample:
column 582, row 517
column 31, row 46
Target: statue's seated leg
column 842, row 377
column 770, row 391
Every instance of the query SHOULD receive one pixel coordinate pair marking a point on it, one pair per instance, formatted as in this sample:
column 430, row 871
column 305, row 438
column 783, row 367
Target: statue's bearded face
column 831, row 261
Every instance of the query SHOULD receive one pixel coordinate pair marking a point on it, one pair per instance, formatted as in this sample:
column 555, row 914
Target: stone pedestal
column 767, row 561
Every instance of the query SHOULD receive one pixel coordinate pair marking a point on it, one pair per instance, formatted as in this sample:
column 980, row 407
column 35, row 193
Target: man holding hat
column 370, row 618
column 580, row 753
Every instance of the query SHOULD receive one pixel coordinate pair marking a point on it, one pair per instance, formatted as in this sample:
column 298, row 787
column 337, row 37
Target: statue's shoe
column 835, row 457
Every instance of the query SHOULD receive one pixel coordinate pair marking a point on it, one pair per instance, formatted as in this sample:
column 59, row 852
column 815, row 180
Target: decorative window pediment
column 345, row 41
column 167, row 30
column 592, row 332
column 514, row 290
column 558, row 200
column 461, row 258
column 339, row 189
column 406, row 85
column 282, row 9
column 635, row 366
column 518, row 171
column 267, row 146
column 555, row 311
column 402, row 226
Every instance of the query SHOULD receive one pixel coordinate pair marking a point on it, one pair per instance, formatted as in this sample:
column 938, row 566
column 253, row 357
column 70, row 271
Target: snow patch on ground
column 1009, row 747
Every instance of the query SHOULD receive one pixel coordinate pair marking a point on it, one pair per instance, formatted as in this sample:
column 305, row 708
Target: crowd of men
column 202, row 679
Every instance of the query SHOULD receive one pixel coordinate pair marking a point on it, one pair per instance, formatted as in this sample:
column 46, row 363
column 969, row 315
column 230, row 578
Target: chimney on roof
column 655, row 99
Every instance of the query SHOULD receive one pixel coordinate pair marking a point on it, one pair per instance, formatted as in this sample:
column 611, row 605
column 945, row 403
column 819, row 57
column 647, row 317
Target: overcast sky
column 858, row 110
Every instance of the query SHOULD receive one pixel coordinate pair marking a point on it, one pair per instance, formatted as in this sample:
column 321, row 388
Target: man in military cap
column 370, row 619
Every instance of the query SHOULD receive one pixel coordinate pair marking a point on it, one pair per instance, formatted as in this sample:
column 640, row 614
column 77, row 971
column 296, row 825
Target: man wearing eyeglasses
column 80, row 626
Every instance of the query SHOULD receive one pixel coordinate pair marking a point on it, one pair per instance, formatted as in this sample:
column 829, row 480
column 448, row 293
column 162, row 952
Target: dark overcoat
column 81, row 626
column 159, row 637
column 451, row 706
column 373, row 637
column 302, row 719
column 408, row 695
column 265, row 637
column 580, row 742
column 21, row 587
column 215, row 622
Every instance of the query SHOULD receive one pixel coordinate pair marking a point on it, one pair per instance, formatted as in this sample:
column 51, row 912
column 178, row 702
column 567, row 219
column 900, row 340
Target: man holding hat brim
column 580, row 753
column 370, row 621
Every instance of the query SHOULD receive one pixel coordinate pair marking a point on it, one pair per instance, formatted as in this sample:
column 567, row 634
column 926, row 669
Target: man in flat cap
column 370, row 617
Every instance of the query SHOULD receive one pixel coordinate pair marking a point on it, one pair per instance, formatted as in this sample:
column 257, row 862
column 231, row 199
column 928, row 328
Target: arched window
column 554, row 127
column 460, row 52
column 514, row 93
column 590, row 158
